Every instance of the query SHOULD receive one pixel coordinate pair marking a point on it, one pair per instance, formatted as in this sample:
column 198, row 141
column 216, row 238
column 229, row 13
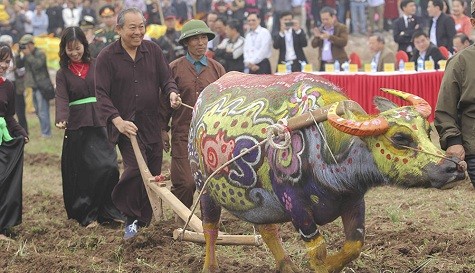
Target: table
column 362, row 87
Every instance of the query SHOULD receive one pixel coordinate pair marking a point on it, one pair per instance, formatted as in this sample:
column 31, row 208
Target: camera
column 22, row 47
column 289, row 24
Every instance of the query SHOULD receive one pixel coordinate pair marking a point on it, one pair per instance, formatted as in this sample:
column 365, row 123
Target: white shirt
column 433, row 37
column 289, row 45
column 71, row 17
column 29, row 26
column 257, row 46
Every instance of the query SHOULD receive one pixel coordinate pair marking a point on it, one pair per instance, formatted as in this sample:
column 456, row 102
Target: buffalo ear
column 383, row 104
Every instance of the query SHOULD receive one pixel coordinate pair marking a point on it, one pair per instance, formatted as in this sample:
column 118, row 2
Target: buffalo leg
column 211, row 214
column 270, row 235
column 353, row 223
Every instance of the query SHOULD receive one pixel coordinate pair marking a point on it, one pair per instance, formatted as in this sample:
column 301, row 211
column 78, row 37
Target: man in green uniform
column 454, row 118
column 106, row 34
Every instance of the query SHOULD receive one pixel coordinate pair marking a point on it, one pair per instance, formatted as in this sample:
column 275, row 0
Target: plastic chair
column 402, row 55
column 355, row 59
column 443, row 50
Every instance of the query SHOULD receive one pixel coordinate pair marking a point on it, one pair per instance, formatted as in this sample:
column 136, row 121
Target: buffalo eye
column 400, row 140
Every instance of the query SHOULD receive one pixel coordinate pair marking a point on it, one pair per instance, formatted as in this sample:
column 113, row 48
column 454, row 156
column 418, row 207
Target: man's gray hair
column 122, row 13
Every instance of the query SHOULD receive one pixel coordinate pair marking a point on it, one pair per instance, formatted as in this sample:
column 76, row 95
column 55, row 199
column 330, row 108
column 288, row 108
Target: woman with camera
column 88, row 161
column 12, row 140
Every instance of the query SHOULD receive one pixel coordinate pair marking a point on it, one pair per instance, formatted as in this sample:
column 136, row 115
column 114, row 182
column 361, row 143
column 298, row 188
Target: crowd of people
column 114, row 82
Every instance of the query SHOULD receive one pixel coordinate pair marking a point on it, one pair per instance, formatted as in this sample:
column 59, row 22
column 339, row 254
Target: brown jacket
column 69, row 88
column 7, row 109
column 190, row 84
column 130, row 88
column 339, row 39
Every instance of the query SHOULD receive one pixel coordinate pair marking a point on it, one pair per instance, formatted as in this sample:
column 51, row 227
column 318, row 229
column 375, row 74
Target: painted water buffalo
column 323, row 172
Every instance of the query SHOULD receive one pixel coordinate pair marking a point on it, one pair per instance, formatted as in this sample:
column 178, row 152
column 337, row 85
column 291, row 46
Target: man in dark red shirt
column 130, row 75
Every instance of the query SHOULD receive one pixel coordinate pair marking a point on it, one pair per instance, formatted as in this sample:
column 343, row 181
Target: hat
column 193, row 28
column 107, row 10
column 26, row 39
column 170, row 17
column 87, row 22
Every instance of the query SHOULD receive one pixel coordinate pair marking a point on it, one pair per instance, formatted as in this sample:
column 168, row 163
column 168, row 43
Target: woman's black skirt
column 11, row 175
column 90, row 172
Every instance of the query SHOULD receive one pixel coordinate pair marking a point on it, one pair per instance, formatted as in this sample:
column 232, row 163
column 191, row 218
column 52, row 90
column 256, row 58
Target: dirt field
column 407, row 230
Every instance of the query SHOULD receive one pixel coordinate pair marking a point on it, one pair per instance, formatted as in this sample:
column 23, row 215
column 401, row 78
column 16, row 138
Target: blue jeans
column 358, row 16
column 42, row 110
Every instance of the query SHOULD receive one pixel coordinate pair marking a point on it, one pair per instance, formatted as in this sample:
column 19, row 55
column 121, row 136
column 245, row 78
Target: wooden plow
column 158, row 193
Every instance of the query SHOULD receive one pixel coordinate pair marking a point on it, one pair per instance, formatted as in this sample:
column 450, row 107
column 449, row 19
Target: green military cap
column 193, row 28
column 26, row 39
column 107, row 10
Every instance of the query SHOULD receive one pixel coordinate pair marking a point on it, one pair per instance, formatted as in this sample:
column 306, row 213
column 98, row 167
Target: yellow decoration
column 155, row 31
column 329, row 68
column 50, row 46
column 367, row 67
column 429, row 65
column 353, row 68
column 281, row 68
column 442, row 64
column 308, row 68
column 409, row 66
column 388, row 67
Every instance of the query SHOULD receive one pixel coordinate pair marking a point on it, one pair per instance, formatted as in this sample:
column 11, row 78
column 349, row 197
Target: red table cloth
column 362, row 87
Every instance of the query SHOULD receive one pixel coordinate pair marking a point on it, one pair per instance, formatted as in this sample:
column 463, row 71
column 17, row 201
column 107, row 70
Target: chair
column 355, row 59
column 443, row 50
column 401, row 55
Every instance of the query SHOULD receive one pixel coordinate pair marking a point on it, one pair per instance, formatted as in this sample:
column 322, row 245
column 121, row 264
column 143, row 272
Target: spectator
column 167, row 8
column 278, row 6
column 331, row 39
column 230, row 52
column 237, row 7
column 358, row 16
column 376, row 7
column 257, row 47
column 104, row 35
column 462, row 21
column 7, row 17
column 88, row 160
column 169, row 41
column 461, row 41
column 442, row 26
column 71, row 14
column 192, row 72
column 88, row 10
column 130, row 75
column 40, row 21
column 221, row 8
column 18, row 24
column 29, row 17
column 55, row 17
column 425, row 49
column 405, row 26
column 382, row 54
column 139, row 4
column 181, row 9
column 12, row 140
column 153, row 11
column 290, row 42
column 36, row 71
column 455, row 105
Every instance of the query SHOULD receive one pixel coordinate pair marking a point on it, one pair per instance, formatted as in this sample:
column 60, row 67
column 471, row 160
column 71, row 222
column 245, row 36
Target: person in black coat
column 425, row 49
column 442, row 26
column 290, row 42
column 405, row 26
